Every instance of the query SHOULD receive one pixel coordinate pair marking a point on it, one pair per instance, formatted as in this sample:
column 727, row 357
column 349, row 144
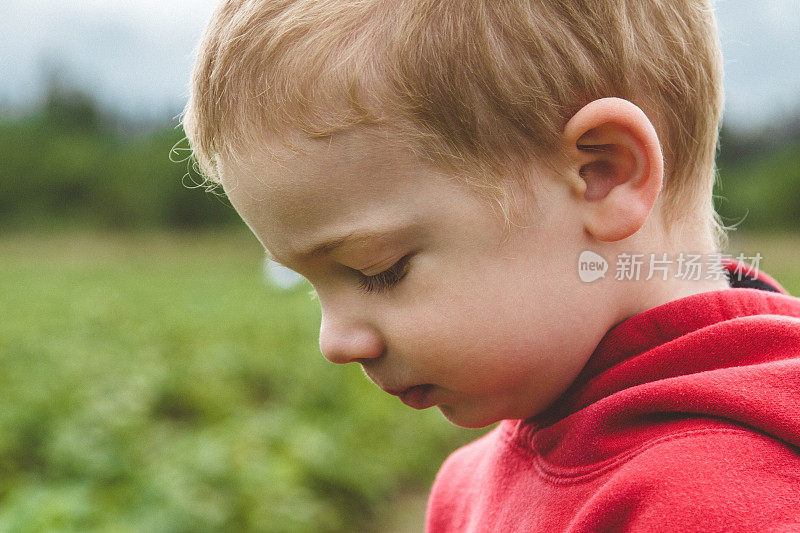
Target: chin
column 469, row 418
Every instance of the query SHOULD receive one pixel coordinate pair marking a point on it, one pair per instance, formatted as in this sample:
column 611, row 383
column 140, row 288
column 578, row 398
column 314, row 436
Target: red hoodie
column 685, row 418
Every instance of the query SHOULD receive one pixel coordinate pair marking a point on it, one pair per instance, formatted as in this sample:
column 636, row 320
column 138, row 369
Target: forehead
column 355, row 179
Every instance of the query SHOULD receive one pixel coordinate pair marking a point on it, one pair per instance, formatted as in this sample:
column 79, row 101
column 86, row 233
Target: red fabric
column 685, row 418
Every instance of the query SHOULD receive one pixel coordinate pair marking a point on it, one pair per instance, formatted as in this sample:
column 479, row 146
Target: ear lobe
column 616, row 157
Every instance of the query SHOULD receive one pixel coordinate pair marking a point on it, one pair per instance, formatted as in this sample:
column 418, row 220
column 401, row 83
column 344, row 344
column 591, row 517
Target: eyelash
column 386, row 279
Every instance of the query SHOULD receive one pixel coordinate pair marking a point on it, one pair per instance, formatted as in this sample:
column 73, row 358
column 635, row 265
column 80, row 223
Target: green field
column 156, row 383
column 780, row 252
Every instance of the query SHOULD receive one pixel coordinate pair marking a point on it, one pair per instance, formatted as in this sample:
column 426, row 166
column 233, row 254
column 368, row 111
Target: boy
column 452, row 177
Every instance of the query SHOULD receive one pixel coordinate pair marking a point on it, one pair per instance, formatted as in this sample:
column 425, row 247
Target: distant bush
column 67, row 164
column 759, row 186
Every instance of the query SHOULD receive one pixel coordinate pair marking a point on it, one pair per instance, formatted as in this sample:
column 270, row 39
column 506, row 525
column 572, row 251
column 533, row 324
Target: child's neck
column 673, row 277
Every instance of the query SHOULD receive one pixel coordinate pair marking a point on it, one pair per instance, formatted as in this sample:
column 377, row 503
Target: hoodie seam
column 574, row 476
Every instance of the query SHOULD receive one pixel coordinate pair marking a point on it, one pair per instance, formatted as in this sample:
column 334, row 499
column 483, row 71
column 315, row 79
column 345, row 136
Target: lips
column 417, row 397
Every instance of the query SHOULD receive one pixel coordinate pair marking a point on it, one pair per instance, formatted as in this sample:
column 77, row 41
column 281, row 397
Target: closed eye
column 387, row 279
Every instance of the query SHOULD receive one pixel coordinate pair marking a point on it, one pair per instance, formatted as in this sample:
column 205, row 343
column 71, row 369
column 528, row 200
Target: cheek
column 500, row 335
column 474, row 335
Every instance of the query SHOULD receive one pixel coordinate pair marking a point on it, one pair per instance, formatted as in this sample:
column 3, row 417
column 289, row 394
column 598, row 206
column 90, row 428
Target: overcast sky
column 136, row 54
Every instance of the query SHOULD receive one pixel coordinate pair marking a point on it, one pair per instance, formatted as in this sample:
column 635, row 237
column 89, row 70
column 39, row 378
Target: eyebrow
column 355, row 236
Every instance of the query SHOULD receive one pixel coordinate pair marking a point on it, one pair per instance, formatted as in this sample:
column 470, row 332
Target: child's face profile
column 416, row 282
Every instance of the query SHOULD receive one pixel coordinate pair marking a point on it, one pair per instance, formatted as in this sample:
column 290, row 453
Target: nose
column 346, row 342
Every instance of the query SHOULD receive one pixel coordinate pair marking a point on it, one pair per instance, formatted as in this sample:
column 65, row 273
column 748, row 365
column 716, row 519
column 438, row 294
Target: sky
column 136, row 55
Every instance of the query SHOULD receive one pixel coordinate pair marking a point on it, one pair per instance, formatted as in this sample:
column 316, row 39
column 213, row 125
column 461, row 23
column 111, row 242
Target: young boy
column 454, row 179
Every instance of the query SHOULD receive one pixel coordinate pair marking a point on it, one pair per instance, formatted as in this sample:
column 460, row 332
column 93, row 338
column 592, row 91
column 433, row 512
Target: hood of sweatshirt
column 720, row 359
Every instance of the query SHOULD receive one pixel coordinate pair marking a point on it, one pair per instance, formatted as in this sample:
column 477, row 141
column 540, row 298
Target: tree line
column 68, row 163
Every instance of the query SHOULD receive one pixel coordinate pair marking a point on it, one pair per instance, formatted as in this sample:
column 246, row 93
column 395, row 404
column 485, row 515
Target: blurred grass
column 780, row 255
column 154, row 383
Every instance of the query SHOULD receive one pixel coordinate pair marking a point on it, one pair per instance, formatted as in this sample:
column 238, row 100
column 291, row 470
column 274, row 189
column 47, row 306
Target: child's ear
column 615, row 165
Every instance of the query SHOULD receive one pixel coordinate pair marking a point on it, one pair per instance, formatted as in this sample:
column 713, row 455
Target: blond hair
column 477, row 87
